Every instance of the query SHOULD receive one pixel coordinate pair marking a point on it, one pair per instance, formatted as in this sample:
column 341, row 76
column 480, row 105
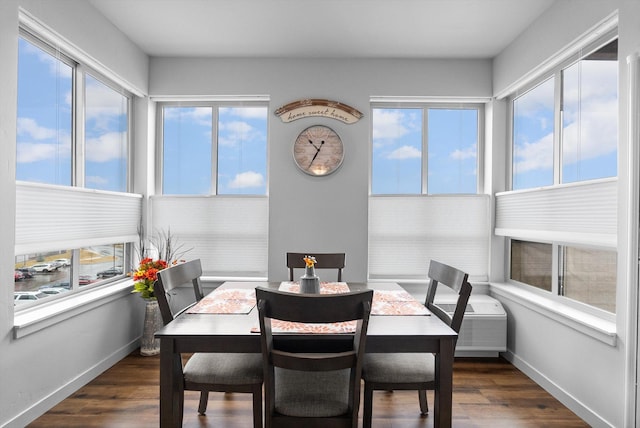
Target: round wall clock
column 318, row 150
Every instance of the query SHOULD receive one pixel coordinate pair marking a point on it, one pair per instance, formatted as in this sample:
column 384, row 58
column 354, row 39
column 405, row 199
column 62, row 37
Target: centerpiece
column 145, row 276
column 309, row 282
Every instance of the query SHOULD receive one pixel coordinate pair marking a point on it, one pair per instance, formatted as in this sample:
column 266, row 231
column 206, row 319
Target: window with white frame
column 72, row 136
column 214, row 172
column 425, row 202
column 212, row 148
column 586, row 275
column 561, row 214
column 431, row 149
column 565, row 128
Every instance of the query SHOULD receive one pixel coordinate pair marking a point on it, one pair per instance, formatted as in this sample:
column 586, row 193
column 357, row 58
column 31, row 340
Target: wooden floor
column 487, row 393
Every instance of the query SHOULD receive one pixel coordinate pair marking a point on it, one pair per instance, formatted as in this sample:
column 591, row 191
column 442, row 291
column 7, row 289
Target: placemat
column 396, row 302
column 226, row 301
column 325, row 287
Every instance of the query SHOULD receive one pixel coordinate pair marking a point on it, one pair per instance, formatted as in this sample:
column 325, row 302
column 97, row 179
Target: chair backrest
column 445, row 275
column 323, row 261
column 175, row 276
column 320, row 308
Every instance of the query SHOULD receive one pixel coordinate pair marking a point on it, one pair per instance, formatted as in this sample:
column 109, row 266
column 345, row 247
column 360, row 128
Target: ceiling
column 322, row 28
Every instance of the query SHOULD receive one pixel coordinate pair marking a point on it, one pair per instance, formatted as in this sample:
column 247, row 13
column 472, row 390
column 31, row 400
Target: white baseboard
column 576, row 406
column 41, row 407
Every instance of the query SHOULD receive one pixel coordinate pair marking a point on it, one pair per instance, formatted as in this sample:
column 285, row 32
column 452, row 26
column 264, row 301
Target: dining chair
column 204, row 372
column 323, row 261
column 312, row 388
column 415, row 371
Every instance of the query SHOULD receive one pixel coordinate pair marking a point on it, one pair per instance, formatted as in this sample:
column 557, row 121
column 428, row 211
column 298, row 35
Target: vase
column 309, row 282
column 152, row 323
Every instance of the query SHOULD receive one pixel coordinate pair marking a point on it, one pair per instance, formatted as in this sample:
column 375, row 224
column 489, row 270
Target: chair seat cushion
column 311, row 394
column 398, row 368
column 224, row 368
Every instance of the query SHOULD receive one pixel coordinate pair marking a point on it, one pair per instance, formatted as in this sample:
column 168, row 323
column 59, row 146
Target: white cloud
column 468, row 153
column 236, row 131
column 198, row 115
column 247, row 179
column 391, row 124
column 30, row 128
column 35, row 152
column 103, row 104
column 590, row 135
column 405, row 152
column 106, row 147
column 94, row 179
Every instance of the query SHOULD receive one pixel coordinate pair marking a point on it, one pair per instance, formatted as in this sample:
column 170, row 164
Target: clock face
column 318, row 150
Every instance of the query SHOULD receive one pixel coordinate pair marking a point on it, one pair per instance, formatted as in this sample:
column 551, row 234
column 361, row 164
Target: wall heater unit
column 484, row 327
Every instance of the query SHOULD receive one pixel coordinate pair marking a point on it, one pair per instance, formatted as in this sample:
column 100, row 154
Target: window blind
column 228, row 234
column 406, row 232
column 50, row 218
column 581, row 213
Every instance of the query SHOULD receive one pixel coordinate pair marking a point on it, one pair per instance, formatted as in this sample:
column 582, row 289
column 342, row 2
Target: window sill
column 588, row 324
column 40, row 317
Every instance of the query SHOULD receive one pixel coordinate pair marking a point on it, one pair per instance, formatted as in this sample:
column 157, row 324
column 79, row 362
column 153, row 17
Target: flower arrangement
column 310, row 261
column 146, row 276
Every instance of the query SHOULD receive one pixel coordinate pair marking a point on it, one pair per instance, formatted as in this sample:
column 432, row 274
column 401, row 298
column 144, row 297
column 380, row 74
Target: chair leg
column 422, row 398
column 367, row 410
column 204, row 399
column 257, row 407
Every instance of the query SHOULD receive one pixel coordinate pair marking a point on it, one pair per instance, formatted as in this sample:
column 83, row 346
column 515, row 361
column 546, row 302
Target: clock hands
column 317, row 151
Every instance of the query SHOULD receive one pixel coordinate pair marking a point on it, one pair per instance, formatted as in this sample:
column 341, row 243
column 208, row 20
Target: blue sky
column 242, row 150
column 397, row 150
column 44, row 137
column 589, row 134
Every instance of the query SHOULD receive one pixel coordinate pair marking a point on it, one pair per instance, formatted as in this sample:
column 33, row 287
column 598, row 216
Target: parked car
column 85, row 279
column 27, row 272
column 66, row 285
column 44, row 267
column 20, row 297
column 52, row 290
column 62, row 262
column 116, row 270
column 18, row 276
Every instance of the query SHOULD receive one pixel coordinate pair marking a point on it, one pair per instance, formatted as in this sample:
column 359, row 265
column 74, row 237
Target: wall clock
column 318, row 150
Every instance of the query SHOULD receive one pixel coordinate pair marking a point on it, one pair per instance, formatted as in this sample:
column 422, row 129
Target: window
column 45, row 88
column 73, row 134
column 214, row 149
column 106, row 136
column 427, row 150
column 585, row 275
column 581, row 96
column 424, row 201
column 533, row 137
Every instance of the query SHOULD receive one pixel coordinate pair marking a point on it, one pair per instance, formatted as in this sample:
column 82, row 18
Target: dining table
column 226, row 320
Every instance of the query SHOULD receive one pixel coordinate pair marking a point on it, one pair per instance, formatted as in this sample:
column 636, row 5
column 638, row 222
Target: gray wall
column 305, row 213
column 40, row 369
column 328, row 213
column 589, row 376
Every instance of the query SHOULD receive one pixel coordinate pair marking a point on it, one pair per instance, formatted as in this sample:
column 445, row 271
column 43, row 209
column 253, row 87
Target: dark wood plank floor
column 487, row 393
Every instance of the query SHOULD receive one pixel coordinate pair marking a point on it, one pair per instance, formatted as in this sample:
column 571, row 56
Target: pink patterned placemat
column 279, row 326
column 396, row 302
column 325, row 287
column 226, row 301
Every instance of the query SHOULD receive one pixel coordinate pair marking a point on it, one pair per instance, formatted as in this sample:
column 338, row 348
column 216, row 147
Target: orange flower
column 309, row 260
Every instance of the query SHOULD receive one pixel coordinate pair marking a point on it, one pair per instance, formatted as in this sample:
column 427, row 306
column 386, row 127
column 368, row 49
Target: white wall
column 307, row 213
column 40, row 369
column 589, row 376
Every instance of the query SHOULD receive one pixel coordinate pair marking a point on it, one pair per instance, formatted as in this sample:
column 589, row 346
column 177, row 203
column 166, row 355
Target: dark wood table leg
column 443, row 401
column 171, row 391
